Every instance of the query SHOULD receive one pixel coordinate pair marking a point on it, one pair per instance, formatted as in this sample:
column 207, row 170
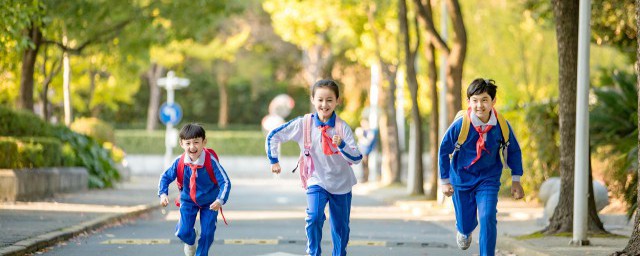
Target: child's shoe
column 189, row 250
column 463, row 241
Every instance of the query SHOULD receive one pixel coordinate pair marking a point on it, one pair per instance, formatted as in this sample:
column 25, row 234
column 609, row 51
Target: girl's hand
column 275, row 168
column 337, row 140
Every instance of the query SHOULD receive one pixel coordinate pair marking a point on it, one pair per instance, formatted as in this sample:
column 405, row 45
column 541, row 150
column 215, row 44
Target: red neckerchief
column 481, row 142
column 192, row 181
column 327, row 142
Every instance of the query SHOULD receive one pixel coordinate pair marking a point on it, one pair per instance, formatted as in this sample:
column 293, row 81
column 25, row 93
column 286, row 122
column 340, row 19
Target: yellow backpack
column 466, row 125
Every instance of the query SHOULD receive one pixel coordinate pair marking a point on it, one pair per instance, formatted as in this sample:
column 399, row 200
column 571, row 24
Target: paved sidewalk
column 30, row 226
column 515, row 218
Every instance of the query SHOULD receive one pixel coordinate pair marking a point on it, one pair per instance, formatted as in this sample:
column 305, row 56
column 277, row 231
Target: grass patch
column 539, row 234
column 224, row 142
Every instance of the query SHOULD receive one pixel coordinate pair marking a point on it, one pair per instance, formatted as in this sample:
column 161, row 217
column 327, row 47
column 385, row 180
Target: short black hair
column 480, row 86
column 328, row 83
column 192, row 131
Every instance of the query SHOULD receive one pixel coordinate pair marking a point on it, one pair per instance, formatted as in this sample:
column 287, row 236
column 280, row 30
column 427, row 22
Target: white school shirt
column 333, row 172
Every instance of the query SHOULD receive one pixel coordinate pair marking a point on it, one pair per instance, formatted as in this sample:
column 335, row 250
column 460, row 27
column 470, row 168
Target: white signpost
column 170, row 113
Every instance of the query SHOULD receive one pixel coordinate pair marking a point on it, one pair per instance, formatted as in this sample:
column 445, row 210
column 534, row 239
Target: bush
column 39, row 152
column 20, row 123
column 9, row 149
column 30, row 152
column 94, row 128
column 91, row 155
column 224, row 142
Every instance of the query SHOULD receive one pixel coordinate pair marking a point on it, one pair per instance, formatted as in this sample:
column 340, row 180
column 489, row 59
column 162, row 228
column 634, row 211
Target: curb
column 36, row 243
column 513, row 245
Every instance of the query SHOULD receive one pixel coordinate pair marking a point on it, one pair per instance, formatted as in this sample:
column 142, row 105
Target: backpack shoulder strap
column 180, row 172
column 209, row 165
column 464, row 131
column 504, row 127
column 306, row 131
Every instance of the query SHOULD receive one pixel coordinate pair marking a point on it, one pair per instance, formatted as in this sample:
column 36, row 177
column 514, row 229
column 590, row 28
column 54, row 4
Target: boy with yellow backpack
column 472, row 154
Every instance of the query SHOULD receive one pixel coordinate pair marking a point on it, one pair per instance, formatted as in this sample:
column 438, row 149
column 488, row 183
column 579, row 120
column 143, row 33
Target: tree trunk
column 391, row 157
column 66, row 87
column 389, row 131
column 566, row 14
column 416, row 187
column 455, row 51
column 455, row 60
column 633, row 247
column 595, row 225
column 153, row 74
column 55, row 69
column 25, row 101
column 223, row 114
column 430, row 57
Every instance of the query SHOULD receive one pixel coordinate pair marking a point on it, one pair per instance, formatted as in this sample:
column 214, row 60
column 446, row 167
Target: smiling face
column 324, row 101
column 481, row 105
column 193, row 147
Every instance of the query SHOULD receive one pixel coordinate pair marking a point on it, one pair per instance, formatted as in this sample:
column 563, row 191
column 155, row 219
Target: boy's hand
column 215, row 206
column 275, row 168
column 337, row 140
column 447, row 189
column 164, row 200
column 516, row 190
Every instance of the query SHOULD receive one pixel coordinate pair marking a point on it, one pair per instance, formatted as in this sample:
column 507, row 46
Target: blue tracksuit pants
column 478, row 203
column 185, row 227
column 340, row 210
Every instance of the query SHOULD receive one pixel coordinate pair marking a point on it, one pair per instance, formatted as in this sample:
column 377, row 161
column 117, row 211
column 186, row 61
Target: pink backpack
column 305, row 162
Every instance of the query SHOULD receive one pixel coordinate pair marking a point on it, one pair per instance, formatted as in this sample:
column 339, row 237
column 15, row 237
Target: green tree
column 566, row 14
column 415, row 126
column 633, row 247
column 455, row 50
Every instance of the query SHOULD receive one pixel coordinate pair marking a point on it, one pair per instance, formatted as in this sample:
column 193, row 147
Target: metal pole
column 442, row 74
column 581, row 193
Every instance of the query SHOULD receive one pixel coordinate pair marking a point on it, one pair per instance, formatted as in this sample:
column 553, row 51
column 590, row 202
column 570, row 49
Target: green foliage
column 91, row 155
column 30, row 152
column 95, row 128
column 537, row 133
column 612, row 22
column 224, row 142
column 614, row 130
column 37, row 152
column 20, row 123
column 9, row 152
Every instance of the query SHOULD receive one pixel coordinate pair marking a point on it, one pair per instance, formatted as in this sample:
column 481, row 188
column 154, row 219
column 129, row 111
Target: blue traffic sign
column 170, row 113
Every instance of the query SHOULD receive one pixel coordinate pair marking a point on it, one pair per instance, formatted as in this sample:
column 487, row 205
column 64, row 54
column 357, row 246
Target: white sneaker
column 463, row 241
column 189, row 250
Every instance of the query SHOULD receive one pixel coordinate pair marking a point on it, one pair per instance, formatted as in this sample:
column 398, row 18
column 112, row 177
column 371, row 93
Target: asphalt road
column 266, row 217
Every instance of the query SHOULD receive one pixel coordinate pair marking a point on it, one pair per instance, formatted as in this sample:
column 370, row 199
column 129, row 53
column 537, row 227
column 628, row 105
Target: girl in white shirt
column 330, row 177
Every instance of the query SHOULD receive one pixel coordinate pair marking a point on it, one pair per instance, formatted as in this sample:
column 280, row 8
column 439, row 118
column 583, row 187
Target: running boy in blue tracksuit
column 326, row 174
column 200, row 193
column 472, row 173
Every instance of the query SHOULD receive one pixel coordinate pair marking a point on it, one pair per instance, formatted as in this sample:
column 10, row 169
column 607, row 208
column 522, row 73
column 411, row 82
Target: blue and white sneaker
column 463, row 241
